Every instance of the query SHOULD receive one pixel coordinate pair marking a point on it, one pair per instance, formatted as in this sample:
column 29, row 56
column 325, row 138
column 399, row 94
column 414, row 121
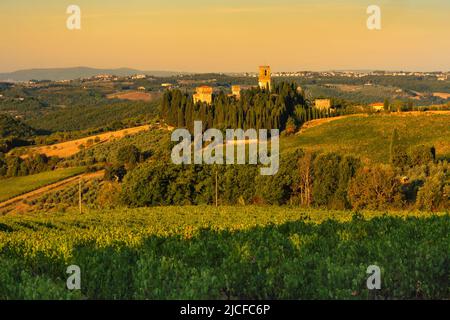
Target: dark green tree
column 326, row 178
column 398, row 155
column 128, row 155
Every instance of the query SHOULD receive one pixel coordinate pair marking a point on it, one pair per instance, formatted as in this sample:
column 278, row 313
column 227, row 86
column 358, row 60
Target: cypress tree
column 398, row 154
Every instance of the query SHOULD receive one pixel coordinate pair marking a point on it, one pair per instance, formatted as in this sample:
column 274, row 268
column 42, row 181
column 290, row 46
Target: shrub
column 326, row 178
column 435, row 192
column 375, row 187
column 128, row 155
column 109, row 195
column 115, row 173
column 420, row 155
column 398, row 155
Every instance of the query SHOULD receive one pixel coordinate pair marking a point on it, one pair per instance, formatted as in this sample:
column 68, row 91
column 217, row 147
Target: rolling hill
column 10, row 126
column 56, row 74
column 369, row 137
column 69, row 148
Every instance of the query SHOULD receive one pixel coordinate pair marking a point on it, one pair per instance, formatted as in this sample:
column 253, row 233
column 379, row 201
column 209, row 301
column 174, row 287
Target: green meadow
column 16, row 186
column 369, row 137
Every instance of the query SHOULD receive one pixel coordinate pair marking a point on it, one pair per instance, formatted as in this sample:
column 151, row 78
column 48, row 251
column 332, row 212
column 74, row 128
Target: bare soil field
column 348, row 87
column 134, row 96
column 69, row 148
column 442, row 95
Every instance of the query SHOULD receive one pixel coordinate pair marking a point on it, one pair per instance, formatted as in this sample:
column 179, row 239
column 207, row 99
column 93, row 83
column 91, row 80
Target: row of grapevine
column 224, row 253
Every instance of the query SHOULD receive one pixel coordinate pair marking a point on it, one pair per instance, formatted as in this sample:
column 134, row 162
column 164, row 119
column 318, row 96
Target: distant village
column 148, row 87
column 441, row 76
column 204, row 93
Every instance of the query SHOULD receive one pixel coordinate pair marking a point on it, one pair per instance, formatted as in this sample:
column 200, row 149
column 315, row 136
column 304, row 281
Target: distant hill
column 55, row 74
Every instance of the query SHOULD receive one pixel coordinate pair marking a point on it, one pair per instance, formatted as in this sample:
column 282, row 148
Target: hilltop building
column 322, row 104
column 138, row 76
column 102, row 77
column 265, row 77
column 236, row 92
column 203, row 94
column 377, row 106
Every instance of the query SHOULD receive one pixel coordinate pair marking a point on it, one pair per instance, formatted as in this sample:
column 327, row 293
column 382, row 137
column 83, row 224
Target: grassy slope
column 16, row 186
column 146, row 141
column 93, row 116
column 69, row 148
column 369, row 137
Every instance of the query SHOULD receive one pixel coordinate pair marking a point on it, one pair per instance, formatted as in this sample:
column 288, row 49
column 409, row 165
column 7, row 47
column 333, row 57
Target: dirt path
column 5, row 206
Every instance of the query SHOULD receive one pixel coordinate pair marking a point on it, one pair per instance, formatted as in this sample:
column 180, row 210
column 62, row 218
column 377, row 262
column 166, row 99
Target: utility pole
column 79, row 195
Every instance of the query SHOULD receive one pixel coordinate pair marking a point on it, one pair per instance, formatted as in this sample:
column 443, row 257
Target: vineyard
column 148, row 142
column 16, row 186
column 372, row 140
column 240, row 252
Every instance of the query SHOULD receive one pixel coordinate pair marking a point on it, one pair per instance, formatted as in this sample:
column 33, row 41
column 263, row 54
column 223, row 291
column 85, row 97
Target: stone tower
column 264, row 79
column 203, row 94
column 236, row 91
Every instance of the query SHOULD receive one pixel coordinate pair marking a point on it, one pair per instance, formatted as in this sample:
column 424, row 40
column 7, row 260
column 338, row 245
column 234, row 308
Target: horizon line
column 226, row 72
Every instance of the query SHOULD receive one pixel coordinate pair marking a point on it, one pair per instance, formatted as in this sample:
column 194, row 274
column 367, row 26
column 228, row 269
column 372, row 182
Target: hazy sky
column 226, row 35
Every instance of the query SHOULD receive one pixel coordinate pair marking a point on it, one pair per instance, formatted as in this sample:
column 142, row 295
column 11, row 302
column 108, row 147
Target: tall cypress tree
column 398, row 154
